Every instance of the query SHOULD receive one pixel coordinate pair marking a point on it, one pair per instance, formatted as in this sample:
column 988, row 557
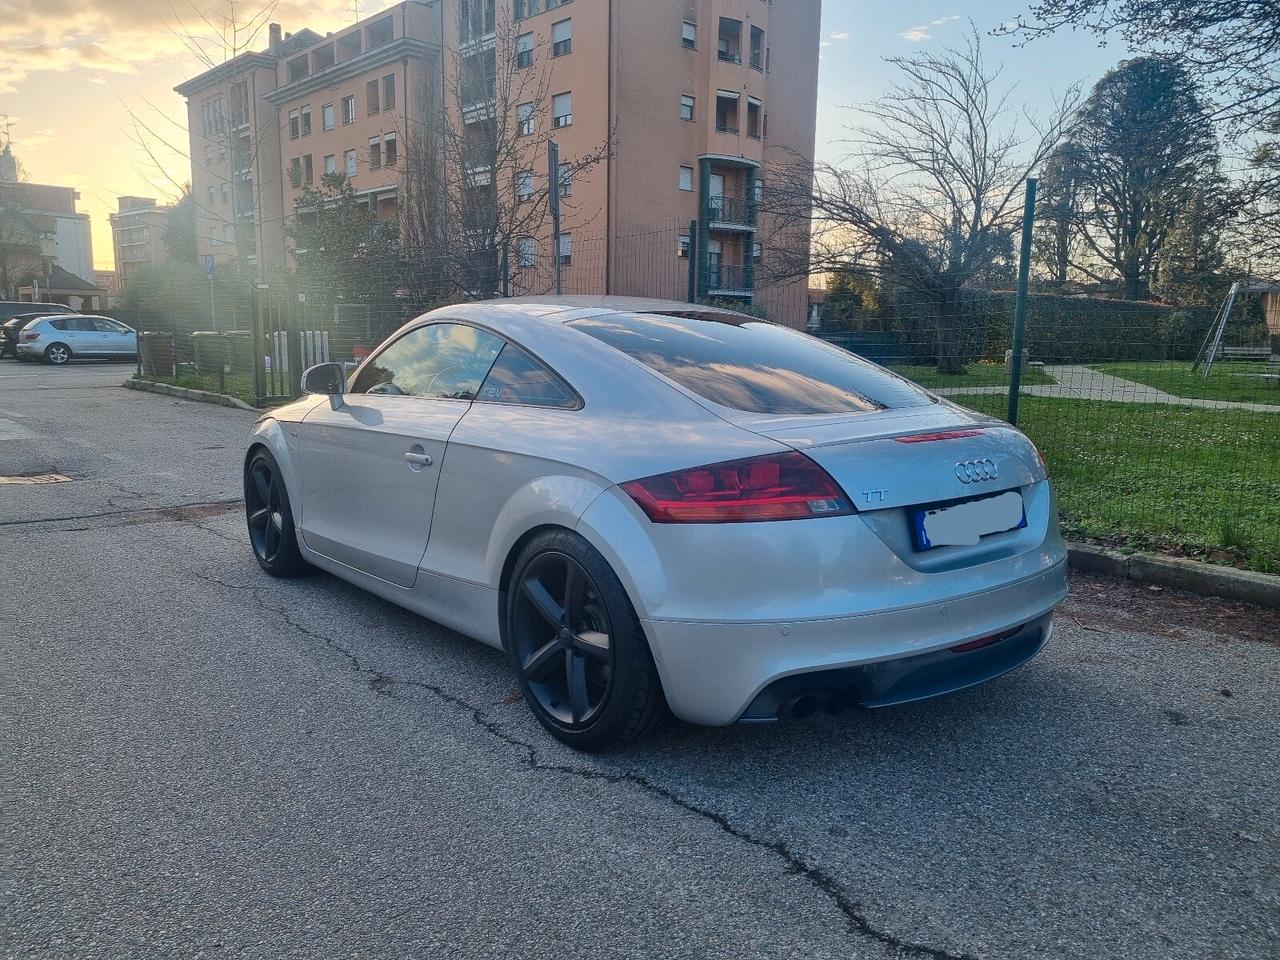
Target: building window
column 375, row 153
column 226, row 194
column 562, row 110
column 348, row 109
column 209, row 194
column 686, row 108
column 565, row 180
column 330, row 164
column 561, row 38
column 349, row 159
column 524, row 50
column 308, row 172
column 564, row 248
column 525, row 8
column 682, row 248
column 389, row 92
column 294, row 126
column 689, row 35
column 524, row 185
column 306, row 120
column 686, row 178
column 526, row 252
column 524, row 119
column 757, row 250
column 208, row 155
column 299, row 68
column 380, row 32
column 757, row 48
column 326, row 117
column 213, row 235
column 389, row 152
column 753, row 118
column 295, row 171
column 371, row 97
column 222, row 151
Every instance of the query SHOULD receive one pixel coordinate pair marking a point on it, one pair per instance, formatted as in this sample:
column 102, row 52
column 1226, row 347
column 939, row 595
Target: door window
column 440, row 361
column 109, row 326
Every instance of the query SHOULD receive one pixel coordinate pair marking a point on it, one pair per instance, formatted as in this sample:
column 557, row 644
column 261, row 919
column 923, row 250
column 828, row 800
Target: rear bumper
column 29, row 349
column 716, row 673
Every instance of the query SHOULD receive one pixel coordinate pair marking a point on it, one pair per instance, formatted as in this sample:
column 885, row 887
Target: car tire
column 269, row 517
column 579, row 653
column 58, row 354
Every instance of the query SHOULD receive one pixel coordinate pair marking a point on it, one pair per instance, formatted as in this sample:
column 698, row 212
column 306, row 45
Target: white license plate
column 964, row 524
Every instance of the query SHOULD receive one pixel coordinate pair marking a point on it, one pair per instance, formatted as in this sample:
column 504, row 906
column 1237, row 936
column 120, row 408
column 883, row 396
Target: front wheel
column 57, row 354
column 580, row 655
column 270, row 518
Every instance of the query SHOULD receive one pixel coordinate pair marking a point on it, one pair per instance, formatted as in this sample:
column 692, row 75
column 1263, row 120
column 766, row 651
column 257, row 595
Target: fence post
column 693, row 261
column 1020, row 307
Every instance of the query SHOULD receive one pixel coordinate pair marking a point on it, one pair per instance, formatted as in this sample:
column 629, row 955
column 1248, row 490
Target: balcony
column 730, row 213
column 729, row 41
column 729, row 280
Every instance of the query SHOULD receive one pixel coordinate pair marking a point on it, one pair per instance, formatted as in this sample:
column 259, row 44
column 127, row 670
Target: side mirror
column 325, row 379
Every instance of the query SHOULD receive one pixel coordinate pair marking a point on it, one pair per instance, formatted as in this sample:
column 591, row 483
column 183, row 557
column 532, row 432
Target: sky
column 85, row 83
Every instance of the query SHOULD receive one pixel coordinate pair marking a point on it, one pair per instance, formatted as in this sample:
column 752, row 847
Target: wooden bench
column 1245, row 353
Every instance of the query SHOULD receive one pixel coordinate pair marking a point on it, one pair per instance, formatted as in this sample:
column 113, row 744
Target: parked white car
column 651, row 504
column 61, row 339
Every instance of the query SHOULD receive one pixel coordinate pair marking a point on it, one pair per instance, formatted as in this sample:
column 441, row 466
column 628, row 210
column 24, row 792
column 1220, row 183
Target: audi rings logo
column 975, row 471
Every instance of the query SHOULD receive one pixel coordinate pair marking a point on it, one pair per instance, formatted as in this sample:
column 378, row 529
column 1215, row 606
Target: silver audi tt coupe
column 654, row 505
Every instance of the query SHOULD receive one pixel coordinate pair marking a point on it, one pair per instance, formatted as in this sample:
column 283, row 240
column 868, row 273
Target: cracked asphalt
column 198, row 761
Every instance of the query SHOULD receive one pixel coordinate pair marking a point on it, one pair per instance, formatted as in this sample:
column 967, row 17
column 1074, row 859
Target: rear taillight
column 785, row 486
column 27, row 336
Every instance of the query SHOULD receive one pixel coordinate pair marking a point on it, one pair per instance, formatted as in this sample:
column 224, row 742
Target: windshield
column 754, row 366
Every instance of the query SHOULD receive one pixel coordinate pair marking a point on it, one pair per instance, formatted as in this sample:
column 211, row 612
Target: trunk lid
column 911, row 456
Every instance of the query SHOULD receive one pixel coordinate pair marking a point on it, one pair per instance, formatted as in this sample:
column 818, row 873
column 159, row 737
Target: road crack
column 386, row 685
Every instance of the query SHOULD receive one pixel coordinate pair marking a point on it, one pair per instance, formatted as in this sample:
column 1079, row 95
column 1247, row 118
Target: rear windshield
column 754, row 366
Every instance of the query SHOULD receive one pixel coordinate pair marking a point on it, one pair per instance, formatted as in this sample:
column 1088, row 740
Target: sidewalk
column 1081, row 383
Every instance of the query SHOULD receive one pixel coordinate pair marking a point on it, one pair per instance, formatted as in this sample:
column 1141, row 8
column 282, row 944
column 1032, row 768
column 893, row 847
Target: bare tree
column 475, row 185
column 1232, row 50
column 931, row 189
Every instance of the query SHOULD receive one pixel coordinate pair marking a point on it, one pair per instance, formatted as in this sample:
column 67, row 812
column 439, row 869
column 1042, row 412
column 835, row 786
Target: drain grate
column 37, row 478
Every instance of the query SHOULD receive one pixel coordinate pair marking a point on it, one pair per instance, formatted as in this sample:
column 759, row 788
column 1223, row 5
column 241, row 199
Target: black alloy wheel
column 271, row 531
column 580, row 655
column 563, row 641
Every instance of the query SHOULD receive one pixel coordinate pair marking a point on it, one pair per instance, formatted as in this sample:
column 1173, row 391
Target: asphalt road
column 199, row 761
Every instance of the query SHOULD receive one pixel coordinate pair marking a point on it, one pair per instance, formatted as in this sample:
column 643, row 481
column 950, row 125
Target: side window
column 442, row 361
column 82, row 324
column 107, row 326
column 517, row 378
column 58, row 324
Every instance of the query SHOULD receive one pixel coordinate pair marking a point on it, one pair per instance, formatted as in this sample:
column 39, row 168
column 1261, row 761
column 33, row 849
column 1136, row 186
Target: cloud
column 127, row 36
column 924, row 31
column 27, row 141
column 840, row 35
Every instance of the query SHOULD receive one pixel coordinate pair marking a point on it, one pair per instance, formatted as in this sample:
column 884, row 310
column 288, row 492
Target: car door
column 81, row 335
column 370, row 466
column 116, row 340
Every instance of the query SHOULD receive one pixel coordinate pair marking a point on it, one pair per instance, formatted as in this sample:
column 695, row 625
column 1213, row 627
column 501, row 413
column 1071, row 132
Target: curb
column 187, row 393
column 1207, row 579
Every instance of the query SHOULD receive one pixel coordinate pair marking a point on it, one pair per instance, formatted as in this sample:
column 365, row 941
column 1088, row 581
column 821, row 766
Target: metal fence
column 1148, row 447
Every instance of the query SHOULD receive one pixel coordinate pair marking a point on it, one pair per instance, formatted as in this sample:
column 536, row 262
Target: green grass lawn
column 238, row 385
column 975, row 375
column 1227, row 381
column 1182, row 480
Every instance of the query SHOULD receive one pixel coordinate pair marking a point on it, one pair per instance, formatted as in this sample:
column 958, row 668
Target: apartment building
column 234, row 135
column 694, row 98
column 137, row 236
column 698, row 97
column 344, row 101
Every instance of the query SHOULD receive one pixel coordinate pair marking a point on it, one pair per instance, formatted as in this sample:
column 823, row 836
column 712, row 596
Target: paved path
column 197, row 760
column 1083, row 383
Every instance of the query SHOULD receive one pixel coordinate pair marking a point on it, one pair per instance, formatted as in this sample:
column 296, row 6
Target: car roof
column 511, row 314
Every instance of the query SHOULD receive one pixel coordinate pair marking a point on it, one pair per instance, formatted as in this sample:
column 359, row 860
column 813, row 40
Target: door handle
column 418, row 459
